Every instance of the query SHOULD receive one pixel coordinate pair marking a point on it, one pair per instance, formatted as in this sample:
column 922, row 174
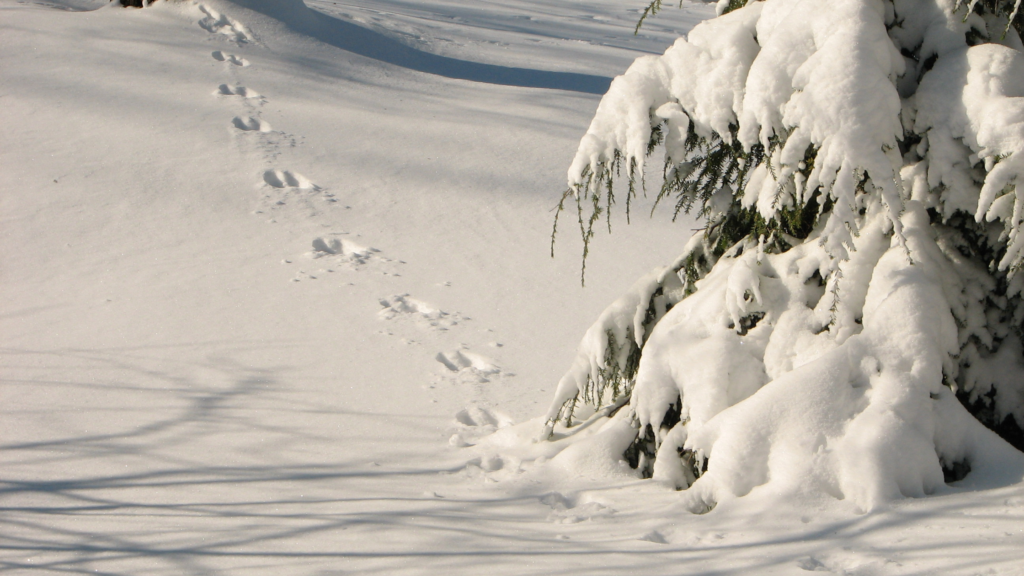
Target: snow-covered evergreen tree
column 853, row 307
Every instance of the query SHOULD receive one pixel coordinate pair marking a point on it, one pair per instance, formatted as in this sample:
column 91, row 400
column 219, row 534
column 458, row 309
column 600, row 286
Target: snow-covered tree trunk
column 853, row 308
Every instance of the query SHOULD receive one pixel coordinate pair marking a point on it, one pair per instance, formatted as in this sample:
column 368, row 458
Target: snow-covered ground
column 266, row 272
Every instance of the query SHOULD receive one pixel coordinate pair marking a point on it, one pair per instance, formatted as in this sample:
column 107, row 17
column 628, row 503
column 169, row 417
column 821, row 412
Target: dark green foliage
column 710, row 166
column 747, row 323
column 793, row 223
column 599, row 186
column 613, row 380
column 586, row 228
column 709, row 181
column 656, row 5
column 641, row 453
column 735, row 5
column 566, row 412
column 653, row 314
column 979, row 243
column 1004, row 8
column 983, row 408
column 954, row 471
column 714, row 163
column 653, row 8
column 973, row 240
column 695, row 267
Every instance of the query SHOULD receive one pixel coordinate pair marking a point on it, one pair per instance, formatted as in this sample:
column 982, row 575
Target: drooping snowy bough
column 852, row 313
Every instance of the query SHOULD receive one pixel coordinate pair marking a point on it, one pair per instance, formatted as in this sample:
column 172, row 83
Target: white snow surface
column 273, row 303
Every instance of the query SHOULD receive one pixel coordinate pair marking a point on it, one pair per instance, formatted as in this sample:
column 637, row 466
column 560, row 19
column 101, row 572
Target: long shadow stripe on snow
column 370, row 44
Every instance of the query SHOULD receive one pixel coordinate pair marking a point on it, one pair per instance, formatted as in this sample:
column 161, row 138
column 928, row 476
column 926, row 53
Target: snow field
column 174, row 401
column 182, row 373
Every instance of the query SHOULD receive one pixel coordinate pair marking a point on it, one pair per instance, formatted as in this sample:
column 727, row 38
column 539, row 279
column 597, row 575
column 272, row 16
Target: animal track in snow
column 466, row 363
column 230, row 58
column 342, row 253
column 344, row 248
column 225, row 90
column 402, row 306
column 481, row 417
column 654, row 537
column 565, row 510
column 250, row 124
column 216, row 23
column 286, row 179
column 474, row 423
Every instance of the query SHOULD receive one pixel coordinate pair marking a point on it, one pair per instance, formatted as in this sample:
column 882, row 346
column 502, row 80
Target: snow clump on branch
column 852, row 314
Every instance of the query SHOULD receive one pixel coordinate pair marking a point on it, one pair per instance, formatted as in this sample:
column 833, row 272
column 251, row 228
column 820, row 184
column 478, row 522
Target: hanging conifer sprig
column 1007, row 9
column 858, row 166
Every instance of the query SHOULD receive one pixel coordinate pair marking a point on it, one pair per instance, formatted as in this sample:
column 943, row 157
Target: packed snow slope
column 269, row 269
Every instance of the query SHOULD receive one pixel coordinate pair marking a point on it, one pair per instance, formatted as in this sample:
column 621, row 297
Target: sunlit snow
column 277, row 299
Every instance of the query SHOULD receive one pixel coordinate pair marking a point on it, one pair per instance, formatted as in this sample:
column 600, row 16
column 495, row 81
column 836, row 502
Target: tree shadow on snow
column 162, row 494
column 141, row 465
column 368, row 43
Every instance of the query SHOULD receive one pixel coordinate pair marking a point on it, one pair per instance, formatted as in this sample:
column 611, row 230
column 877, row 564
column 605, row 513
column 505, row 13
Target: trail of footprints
column 459, row 366
column 335, row 252
column 282, row 186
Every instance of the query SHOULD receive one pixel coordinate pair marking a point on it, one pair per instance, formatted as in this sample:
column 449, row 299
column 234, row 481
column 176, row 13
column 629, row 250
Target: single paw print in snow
column 286, row 179
column 342, row 252
column 225, row 90
column 250, row 124
column 654, row 536
column 340, row 247
column 403, row 306
column 475, row 422
column 229, row 58
column 477, row 417
column 216, row 23
column 569, row 510
column 470, row 364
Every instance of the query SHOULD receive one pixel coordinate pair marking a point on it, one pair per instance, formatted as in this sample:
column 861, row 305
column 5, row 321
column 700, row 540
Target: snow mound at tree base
column 850, row 320
column 869, row 420
column 782, row 405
